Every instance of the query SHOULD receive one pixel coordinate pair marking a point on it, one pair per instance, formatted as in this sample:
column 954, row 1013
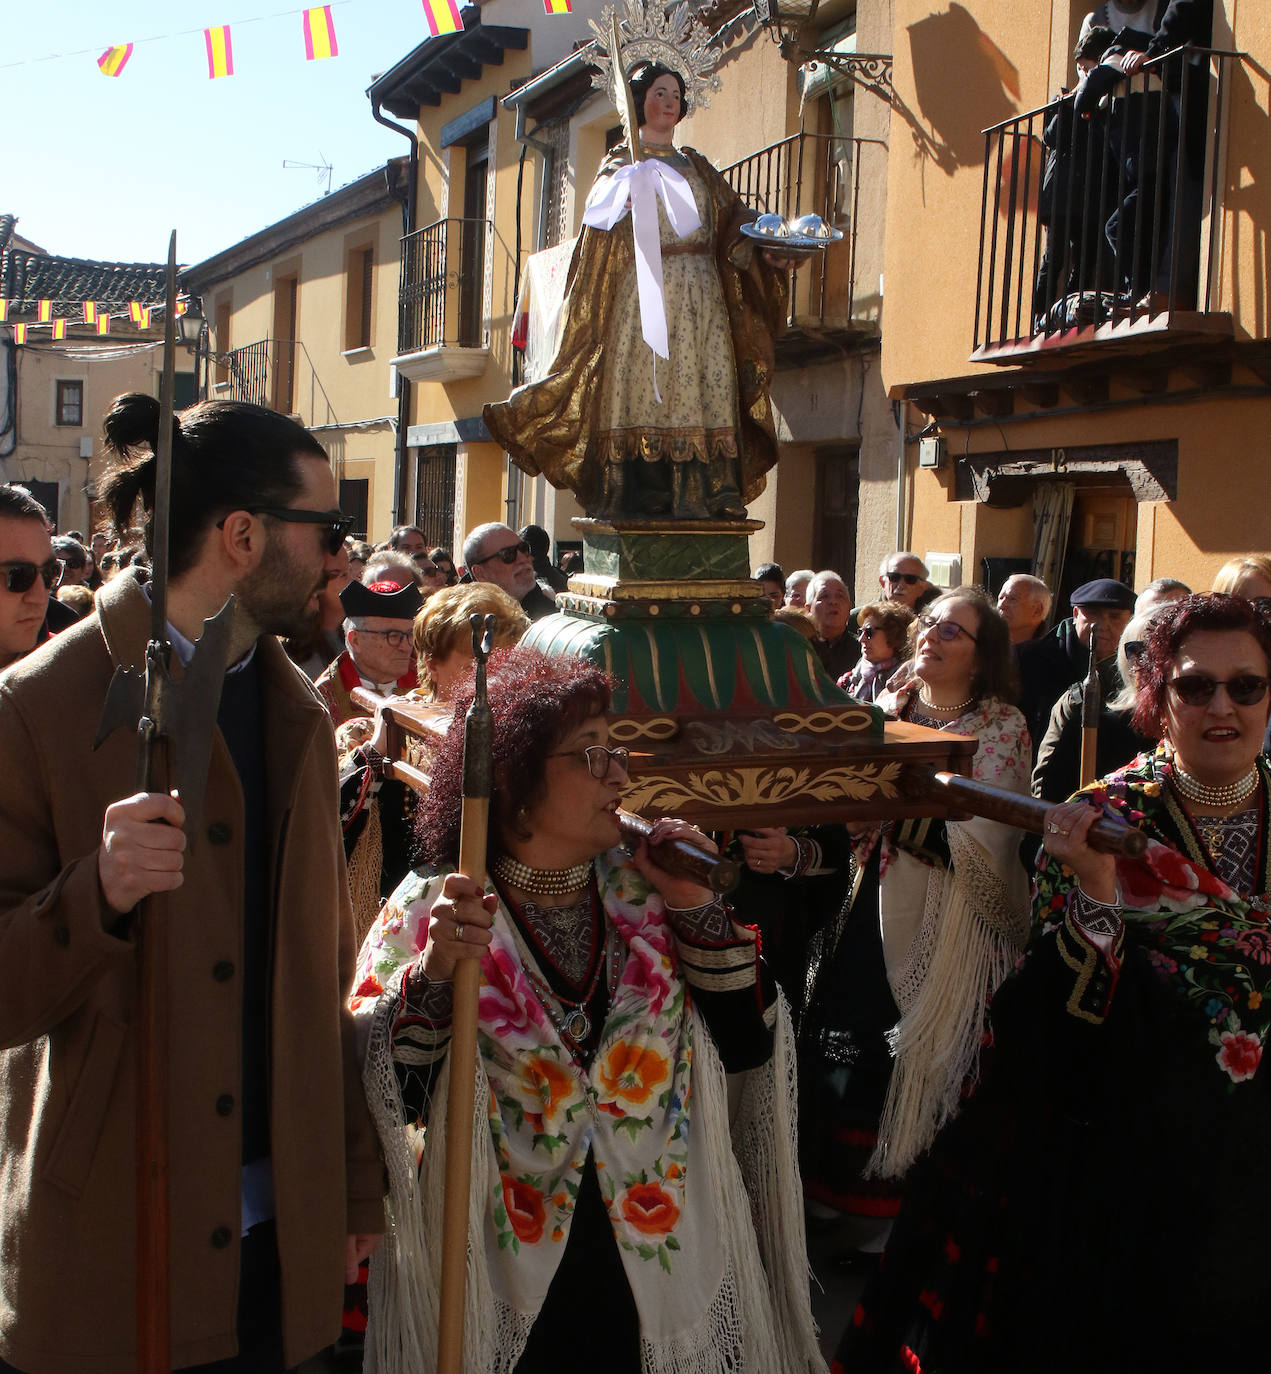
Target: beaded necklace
column 548, row 882
column 1215, row 798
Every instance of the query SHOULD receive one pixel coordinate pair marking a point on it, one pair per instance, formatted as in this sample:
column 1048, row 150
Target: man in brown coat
column 274, row 1181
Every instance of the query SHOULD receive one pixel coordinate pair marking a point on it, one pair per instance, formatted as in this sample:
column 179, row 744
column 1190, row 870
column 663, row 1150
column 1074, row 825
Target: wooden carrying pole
column 1091, row 696
column 478, row 767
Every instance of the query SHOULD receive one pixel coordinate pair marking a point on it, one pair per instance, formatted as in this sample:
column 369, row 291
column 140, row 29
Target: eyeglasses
column 868, row 632
column 1197, row 689
column 332, row 538
column 909, row 579
column 19, row 575
column 1134, row 649
column 948, row 630
column 425, row 566
column 599, row 758
column 508, row 554
column 393, row 638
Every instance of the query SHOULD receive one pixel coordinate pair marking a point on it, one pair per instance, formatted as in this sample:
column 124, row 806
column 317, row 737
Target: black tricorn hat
column 400, row 604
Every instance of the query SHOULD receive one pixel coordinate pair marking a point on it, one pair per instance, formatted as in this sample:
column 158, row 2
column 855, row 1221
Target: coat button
column 224, row 1104
column 222, row 970
column 61, row 936
column 218, row 832
column 221, row 1237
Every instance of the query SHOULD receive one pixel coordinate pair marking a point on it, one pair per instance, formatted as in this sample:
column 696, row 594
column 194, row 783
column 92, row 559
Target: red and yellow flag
column 442, row 16
column 90, row 312
column 556, row 7
column 114, row 60
column 220, row 52
column 144, row 321
column 319, row 32
column 103, row 323
column 59, row 329
column 4, row 309
column 134, row 311
column 44, row 311
column 19, row 333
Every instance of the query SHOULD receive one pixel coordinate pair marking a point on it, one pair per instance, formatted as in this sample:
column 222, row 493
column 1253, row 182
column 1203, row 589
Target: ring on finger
column 458, row 930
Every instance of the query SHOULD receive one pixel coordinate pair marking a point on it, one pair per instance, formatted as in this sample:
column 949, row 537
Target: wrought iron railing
column 1104, row 217
column 277, row 373
column 440, row 299
column 810, row 174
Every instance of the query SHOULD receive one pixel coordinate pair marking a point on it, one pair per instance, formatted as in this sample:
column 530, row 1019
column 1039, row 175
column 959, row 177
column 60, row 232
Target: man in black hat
column 1050, row 665
column 381, row 654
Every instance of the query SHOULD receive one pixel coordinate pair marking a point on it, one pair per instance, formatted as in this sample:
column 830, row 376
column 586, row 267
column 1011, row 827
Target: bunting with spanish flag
column 19, row 333
column 220, row 52
column 113, row 61
column 442, row 17
column 4, row 309
column 59, row 329
column 134, row 311
column 90, row 312
column 319, row 32
column 44, row 311
column 557, row 7
column 103, row 323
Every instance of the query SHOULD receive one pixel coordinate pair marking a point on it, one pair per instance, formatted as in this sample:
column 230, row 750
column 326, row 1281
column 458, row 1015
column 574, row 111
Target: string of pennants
column 93, row 314
column 317, row 30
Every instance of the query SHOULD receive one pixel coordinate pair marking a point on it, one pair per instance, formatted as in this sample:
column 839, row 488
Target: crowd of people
column 1015, row 1058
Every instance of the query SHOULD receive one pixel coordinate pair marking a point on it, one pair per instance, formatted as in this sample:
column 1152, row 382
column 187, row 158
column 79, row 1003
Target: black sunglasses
column 1197, row 689
column 508, row 554
column 909, row 579
column 948, row 630
column 19, row 576
column 332, row 538
column 1134, row 648
column 869, row 631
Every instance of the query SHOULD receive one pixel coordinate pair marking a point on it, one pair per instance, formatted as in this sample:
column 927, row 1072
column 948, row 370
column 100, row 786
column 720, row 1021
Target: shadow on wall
column 1247, row 196
column 963, row 83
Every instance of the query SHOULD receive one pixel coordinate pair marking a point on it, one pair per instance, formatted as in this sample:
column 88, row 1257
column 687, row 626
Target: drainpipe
column 403, row 384
column 902, row 413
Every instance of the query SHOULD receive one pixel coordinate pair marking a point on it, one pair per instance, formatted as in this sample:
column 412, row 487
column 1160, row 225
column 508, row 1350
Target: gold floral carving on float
column 659, row 728
column 762, row 786
column 820, row 722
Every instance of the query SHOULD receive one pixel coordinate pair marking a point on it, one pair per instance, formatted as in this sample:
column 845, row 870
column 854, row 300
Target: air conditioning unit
column 86, row 446
column 931, row 452
column 944, row 569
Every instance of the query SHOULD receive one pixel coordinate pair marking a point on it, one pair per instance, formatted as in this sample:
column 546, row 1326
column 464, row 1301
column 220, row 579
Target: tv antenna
column 322, row 169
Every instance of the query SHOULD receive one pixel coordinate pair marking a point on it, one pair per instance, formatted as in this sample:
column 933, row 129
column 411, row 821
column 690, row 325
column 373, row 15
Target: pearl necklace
column 1215, row 798
column 931, row 705
column 549, row 882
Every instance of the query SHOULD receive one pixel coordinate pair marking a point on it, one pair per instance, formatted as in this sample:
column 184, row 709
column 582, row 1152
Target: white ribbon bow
column 638, row 185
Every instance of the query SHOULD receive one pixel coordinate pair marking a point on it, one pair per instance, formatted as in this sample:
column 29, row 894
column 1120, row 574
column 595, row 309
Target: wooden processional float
column 730, row 719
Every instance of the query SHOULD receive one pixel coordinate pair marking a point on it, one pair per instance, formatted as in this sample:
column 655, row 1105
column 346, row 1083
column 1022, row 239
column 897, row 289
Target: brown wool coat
column 67, row 1050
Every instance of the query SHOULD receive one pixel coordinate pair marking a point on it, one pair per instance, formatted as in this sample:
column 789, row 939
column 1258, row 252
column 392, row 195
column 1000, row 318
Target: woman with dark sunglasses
column 884, row 632
column 1108, row 1144
column 938, row 917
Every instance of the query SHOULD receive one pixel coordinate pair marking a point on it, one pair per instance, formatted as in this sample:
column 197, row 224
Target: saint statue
column 683, row 436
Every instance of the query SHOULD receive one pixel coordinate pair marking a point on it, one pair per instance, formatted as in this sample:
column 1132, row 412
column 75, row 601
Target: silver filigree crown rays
column 649, row 34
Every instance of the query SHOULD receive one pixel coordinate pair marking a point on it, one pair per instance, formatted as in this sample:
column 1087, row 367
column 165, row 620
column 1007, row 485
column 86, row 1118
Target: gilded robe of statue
column 594, row 424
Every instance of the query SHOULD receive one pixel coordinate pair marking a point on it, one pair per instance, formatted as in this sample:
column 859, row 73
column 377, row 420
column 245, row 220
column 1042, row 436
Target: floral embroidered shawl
column 695, row 1274
column 1208, row 945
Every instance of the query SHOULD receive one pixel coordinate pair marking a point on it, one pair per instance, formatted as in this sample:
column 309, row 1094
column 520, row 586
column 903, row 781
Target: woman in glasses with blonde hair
column 620, row 1211
column 1108, row 1141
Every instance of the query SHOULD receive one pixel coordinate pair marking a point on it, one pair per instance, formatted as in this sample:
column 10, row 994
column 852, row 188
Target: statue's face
column 662, row 105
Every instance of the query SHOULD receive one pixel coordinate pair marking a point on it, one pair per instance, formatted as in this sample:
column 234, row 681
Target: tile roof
column 26, row 278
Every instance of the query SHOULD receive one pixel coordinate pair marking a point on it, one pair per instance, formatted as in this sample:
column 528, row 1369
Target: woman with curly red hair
column 1096, row 1204
column 610, row 1209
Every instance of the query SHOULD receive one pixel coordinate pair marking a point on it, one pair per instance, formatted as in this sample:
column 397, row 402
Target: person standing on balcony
column 689, row 438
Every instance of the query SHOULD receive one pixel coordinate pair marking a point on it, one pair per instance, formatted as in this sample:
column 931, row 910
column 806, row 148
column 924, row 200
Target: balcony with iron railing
column 815, row 174
column 1104, row 226
column 442, row 331
column 277, row 373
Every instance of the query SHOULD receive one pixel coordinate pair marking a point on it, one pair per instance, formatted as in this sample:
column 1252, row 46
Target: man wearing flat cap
column 380, row 655
column 1050, row 665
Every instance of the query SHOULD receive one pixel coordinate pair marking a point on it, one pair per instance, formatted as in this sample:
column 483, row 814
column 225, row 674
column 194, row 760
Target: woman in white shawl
column 615, row 999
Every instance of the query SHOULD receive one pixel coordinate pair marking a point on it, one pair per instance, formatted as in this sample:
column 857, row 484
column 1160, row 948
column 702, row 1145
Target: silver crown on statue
column 649, row 34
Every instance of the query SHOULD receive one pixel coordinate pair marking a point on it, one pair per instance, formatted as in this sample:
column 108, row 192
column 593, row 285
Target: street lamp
column 786, row 21
column 192, row 329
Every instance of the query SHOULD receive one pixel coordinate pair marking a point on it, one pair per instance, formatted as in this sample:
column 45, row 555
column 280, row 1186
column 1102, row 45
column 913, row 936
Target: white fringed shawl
column 950, row 935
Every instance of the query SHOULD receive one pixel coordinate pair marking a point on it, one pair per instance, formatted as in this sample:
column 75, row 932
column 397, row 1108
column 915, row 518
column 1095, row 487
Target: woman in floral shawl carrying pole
column 620, row 1211
column 1100, row 1202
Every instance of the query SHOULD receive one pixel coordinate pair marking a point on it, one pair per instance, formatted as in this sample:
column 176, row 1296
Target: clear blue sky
column 103, row 168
